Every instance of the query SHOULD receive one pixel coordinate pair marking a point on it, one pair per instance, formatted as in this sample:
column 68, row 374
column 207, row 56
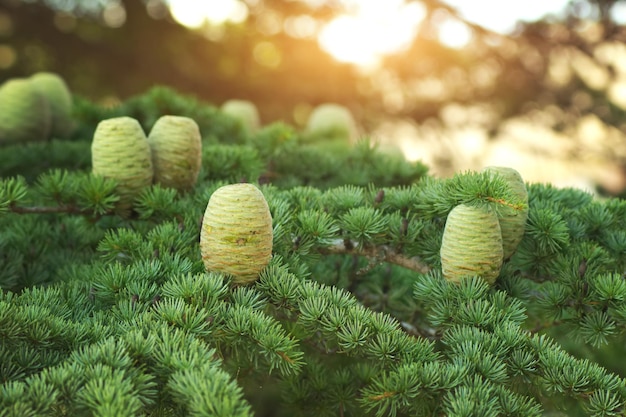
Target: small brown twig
column 47, row 210
column 384, row 253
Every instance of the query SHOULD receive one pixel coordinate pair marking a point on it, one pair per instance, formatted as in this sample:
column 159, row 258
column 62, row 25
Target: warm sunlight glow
column 184, row 12
column 365, row 30
column 371, row 29
column 618, row 13
column 195, row 14
column 349, row 40
column 303, row 26
column 267, row 54
column 454, row 33
column 501, row 16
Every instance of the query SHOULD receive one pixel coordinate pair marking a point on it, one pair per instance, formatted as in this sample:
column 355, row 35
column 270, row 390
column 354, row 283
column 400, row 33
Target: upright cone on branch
column 59, row 98
column 245, row 112
column 24, row 112
column 471, row 244
column 512, row 220
column 120, row 151
column 331, row 121
column 236, row 236
column 176, row 151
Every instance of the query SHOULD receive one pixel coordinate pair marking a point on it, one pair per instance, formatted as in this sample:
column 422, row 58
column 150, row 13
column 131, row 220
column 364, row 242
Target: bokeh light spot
column 267, row 54
column 348, row 40
column 194, row 14
column 8, row 56
column 156, row 9
column 114, row 15
column 269, row 23
column 371, row 29
column 618, row 13
column 454, row 33
column 302, row 26
column 501, row 16
column 6, row 24
column 186, row 13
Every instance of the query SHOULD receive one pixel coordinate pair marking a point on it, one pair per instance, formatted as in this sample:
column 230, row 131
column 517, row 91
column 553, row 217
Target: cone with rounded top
column 236, row 236
column 120, row 151
column 59, row 98
column 471, row 244
column 176, row 152
column 331, row 121
column 512, row 221
column 24, row 112
column 245, row 112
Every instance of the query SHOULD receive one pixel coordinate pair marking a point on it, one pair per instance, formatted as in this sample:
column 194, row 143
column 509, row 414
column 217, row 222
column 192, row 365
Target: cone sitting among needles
column 512, row 220
column 245, row 112
column 120, row 151
column 331, row 121
column 471, row 244
column 236, row 236
column 59, row 98
column 176, row 151
column 24, row 112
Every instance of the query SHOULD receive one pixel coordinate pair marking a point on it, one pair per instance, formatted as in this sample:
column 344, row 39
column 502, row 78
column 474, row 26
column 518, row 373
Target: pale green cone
column 176, row 152
column 471, row 244
column 24, row 112
column 512, row 221
column 245, row 112
column 59, row 98
column 236, row 236
column 120, row 151
column 331, row 121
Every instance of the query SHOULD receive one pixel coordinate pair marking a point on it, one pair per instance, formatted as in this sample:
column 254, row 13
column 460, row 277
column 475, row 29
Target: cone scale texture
column 236, row 236
column 176, row 152
column 59, row 98
column 512, row 221
column 120, row 151
column 24, row 112
column 471, row 244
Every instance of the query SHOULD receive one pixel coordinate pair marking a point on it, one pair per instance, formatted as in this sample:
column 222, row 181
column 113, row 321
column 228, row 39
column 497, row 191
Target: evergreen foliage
column 103, row 315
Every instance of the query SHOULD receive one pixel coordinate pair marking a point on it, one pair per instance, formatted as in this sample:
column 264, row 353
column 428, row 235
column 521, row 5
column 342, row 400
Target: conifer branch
column 49, row 210
column 121, row 313
column 541, row 326
column 382, row 253
column 514, row 206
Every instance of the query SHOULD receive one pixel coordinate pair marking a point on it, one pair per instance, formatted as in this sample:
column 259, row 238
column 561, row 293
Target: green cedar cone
column 236, row 236
column 471, row 244
column 120, row 151
column 331, row 121
column 245, row 112
column 512, row 222
column 24, row 112
column 59, row 98
column 176, row 152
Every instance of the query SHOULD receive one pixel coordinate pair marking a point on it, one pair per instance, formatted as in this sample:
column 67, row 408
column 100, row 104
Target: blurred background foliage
column 547, row 96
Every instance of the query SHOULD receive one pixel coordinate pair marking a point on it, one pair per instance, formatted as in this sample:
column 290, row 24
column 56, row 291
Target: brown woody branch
column 383, row 253
column 50, row 210
column 46, row 210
